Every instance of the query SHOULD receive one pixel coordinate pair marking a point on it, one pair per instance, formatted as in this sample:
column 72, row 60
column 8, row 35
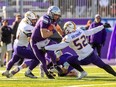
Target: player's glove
column 58, row 69
column 106, row 25
column 43, row 49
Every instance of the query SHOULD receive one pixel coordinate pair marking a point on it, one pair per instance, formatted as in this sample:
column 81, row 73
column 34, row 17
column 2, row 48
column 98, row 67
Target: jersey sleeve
column 65, row 42
column 55, row 47
column 93, row 30
column 44, row 22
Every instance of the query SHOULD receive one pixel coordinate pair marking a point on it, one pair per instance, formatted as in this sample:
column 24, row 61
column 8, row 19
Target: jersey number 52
column 80, row 42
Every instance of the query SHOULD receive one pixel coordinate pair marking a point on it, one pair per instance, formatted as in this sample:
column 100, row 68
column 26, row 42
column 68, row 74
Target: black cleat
column 52, row 73
column 30, row 75
column 50, row 76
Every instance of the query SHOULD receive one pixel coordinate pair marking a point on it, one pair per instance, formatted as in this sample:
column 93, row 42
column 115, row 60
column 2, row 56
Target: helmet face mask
column 69, row 27
column 54, row 11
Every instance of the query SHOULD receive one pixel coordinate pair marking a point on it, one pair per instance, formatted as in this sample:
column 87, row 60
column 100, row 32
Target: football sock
column 28, row 71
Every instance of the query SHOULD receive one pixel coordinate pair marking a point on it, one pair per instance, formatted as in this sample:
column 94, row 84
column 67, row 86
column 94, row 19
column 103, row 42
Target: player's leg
column 17, row 69
column 14, row 59
column 52, row 55
column 73, row 61
column 41, row 56
column 26, row 52
column 25, row 64
column 28, row 73
column 98, row 47
column 98, row 62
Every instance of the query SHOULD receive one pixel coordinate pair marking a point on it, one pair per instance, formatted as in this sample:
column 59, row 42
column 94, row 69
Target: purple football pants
column 23, row 52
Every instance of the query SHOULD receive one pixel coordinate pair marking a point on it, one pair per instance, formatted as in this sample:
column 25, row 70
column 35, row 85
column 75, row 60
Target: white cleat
column 6, row 73
column 82, row 75
column 10, row 75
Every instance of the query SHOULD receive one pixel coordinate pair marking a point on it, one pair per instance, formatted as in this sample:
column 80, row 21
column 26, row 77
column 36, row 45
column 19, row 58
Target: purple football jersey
column 43, row 22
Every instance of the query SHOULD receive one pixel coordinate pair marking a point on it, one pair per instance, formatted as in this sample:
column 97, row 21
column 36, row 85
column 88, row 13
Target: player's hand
column 106, row 25
column 43, row 49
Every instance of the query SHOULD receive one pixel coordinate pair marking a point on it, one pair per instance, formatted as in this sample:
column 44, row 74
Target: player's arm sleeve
column 45, row 33
column 65, row 42
column 57, row 46
column 93, row 30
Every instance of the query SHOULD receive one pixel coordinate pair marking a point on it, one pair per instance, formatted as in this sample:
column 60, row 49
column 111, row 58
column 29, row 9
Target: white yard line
column 88, row 85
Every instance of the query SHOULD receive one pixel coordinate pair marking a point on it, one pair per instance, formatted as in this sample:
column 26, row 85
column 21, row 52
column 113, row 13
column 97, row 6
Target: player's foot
column 52, row 73
column 50, row 76
column 6, row 73
column 30, row 75
column 82, row 75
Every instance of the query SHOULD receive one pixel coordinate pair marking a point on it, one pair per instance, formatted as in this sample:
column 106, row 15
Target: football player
column 45, row 27
column 77, row 40
column 62, row 62
column 21, row 45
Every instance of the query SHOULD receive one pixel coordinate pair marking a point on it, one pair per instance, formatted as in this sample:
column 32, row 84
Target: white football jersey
column 77, row 41
column 21, row 38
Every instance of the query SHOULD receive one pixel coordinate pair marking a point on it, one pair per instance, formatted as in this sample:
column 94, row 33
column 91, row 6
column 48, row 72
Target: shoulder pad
column 45, row 19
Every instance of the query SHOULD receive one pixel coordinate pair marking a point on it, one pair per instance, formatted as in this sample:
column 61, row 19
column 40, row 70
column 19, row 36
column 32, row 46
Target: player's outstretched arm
column 97, row 29
column 56, row 46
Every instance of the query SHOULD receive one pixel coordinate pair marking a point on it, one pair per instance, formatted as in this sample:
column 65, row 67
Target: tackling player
column 76, row 39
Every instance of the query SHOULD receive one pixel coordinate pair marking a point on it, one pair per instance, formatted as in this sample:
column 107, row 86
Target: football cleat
column 82, row 75
column 52, row 73
column 6, row 73
column 50, row 76
column 30, row 75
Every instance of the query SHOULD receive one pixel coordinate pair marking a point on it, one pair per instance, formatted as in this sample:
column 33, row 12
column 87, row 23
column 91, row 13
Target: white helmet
column 53, row 10
column 69, row 27
column 29, row 16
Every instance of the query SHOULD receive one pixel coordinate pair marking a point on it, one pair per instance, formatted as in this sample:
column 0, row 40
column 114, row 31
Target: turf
column 96, row 78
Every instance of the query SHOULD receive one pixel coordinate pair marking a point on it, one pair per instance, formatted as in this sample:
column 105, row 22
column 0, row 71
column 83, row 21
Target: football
column 50, row 27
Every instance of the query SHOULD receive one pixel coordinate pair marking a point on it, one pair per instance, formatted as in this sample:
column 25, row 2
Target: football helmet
column 29, row 16
column 69, row 27
column 53, row 10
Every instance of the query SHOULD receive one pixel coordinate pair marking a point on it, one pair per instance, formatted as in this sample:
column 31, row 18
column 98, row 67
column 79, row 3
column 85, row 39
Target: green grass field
column 96, row 78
